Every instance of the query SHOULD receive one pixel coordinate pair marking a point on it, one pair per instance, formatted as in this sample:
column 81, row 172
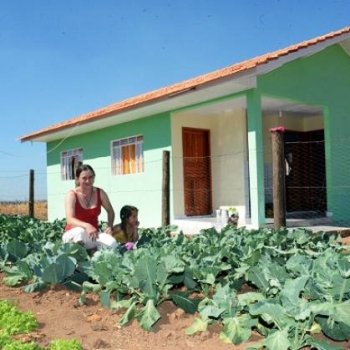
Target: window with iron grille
column 127, row 156
column 70, row 160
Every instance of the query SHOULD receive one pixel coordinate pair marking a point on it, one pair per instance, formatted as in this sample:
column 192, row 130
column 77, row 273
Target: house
column 217, row 130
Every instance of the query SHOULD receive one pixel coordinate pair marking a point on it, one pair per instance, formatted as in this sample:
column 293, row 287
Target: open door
column 305, row 171
column 197, row 171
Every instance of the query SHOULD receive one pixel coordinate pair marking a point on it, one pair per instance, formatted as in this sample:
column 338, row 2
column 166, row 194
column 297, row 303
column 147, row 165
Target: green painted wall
column 136, row 189
column 322, row 79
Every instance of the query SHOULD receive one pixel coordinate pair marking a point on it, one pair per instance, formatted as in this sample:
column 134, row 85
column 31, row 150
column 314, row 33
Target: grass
column 22, row 208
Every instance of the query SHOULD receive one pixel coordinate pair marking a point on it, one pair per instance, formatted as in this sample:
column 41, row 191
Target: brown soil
column 97, row 328
column 60, row 317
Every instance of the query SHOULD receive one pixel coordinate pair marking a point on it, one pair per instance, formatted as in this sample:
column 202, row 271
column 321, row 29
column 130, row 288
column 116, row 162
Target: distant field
column 22, row 208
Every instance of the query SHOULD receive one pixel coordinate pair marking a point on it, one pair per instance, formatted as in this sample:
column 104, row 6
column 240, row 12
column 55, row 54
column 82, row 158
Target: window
column 70, row 160
column 127, row 156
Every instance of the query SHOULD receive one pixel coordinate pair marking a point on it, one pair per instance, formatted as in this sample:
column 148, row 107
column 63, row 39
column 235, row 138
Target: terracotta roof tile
column 158, row 95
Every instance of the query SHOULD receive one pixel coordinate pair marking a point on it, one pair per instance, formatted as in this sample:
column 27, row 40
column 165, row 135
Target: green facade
column 322, row 79
column 142, row 190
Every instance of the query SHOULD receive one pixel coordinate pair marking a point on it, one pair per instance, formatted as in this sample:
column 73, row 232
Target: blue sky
column 60, row 59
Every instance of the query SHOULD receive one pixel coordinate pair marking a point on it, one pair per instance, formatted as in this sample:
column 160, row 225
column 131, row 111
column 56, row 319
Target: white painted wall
column 229, row 158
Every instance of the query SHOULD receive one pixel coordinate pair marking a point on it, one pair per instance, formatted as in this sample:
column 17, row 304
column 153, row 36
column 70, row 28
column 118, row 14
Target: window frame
column 122, row 148
column 69, row 163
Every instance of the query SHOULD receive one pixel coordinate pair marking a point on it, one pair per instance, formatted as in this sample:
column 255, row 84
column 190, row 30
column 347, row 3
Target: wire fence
column 14, row 185
column 313, row 188
column 305, row 178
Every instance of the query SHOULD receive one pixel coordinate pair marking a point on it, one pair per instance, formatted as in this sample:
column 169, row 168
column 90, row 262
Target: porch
column 193, row 225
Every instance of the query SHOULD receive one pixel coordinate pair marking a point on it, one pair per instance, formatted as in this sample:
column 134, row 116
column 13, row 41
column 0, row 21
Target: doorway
column 305, row 171
column 197, row 171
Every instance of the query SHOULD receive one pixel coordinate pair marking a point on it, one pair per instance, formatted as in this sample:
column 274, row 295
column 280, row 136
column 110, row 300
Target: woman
column 83, row 206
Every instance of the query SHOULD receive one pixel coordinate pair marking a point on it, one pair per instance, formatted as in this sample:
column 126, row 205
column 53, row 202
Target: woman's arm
column 135, row 236
column 70, row 209
column 108, row 207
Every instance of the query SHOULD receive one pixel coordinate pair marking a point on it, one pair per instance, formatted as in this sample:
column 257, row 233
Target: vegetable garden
column 286, row 285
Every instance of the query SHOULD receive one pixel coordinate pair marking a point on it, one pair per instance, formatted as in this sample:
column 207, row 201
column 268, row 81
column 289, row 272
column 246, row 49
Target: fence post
column 166, row 190
column 278, row 174
column 31, row 193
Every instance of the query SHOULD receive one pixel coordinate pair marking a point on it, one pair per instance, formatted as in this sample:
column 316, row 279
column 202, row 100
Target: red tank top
column 87, row 215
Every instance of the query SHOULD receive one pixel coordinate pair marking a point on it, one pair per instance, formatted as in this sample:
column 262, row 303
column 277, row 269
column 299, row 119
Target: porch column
column 256, row 159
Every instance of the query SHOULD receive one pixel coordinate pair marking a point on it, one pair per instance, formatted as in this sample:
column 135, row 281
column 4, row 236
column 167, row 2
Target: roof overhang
column 208, row 87
column 171, row 102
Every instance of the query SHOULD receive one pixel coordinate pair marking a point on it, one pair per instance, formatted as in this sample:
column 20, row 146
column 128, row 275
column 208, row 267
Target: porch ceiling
column 268, row 105
column 276, row 106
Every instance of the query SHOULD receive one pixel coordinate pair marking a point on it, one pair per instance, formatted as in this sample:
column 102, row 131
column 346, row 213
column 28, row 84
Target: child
column 127, row 231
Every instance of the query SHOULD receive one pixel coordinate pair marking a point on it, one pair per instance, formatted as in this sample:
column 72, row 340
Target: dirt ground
column 95, row 327
column 60, row 317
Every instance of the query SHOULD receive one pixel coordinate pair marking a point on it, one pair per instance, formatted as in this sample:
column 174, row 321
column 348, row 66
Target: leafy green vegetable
column 61, row 344
column 13, row 321
column 286, row 284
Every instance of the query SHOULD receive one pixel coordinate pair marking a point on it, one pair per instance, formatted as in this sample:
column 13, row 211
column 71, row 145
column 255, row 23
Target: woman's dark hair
column 125, row 212
column 84, row 167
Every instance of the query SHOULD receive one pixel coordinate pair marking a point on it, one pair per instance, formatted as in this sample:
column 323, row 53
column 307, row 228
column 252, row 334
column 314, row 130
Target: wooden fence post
column 166, row 190
column 278, row 174
column 31, row 193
